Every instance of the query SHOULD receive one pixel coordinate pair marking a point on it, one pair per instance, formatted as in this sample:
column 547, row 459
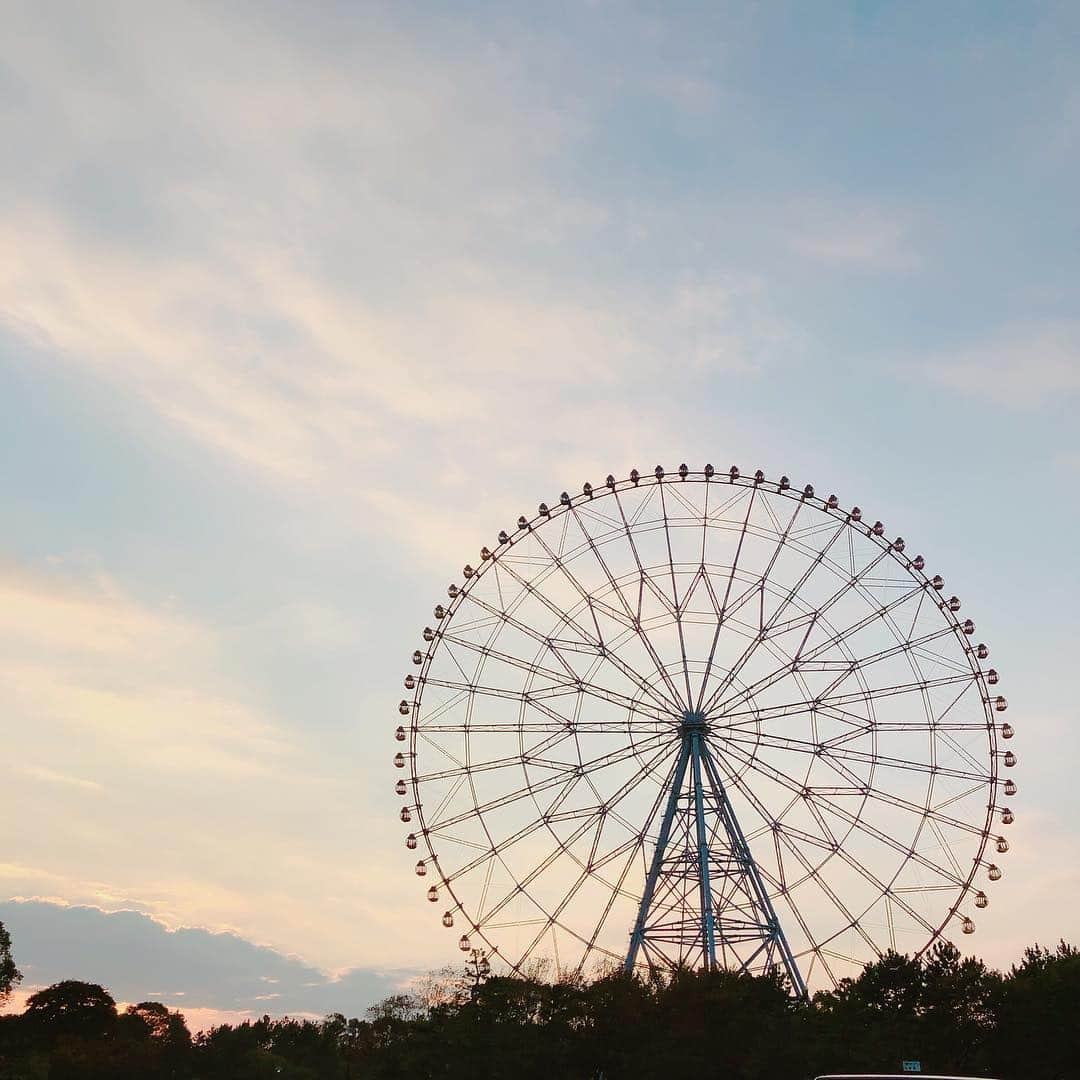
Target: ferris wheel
column 703, row 719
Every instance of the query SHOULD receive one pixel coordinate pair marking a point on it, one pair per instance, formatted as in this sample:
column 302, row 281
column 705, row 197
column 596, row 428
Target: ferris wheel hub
column 693, row 723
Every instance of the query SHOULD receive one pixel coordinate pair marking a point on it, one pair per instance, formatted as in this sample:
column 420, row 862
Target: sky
column 301, row 303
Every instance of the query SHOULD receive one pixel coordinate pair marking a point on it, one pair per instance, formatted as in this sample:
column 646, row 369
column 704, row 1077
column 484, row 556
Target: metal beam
column 638, row 937
column 708, row 938
column 773, row 932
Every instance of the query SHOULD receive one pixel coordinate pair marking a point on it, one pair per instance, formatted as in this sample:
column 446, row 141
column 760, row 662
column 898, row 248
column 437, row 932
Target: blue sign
column 912, row 1066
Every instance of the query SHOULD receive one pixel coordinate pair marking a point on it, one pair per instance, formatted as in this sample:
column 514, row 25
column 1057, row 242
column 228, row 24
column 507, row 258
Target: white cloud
column 856, row 236
column 333, row 383
column 82, row 657
column 1021, row 367
column 39, row 772
column 94, row 617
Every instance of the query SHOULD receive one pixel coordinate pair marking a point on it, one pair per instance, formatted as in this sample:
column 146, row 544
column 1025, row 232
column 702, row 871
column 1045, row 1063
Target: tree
column 159, row 1023
column 960, row 1005
column 871, row 1022
column 81, row 1009
column 1037, row 1036
column 9, row 973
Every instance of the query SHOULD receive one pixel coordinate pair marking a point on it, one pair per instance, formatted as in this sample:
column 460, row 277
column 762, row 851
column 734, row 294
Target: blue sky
column 301, row 304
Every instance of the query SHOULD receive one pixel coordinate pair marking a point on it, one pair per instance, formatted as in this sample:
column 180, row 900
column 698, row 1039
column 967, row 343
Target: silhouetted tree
column 158, row 1037
column 958, row 1013
column 870, row 1023
column 9, row 973
column 951, row 1012
column 80, row 1009
column 1038, row 1035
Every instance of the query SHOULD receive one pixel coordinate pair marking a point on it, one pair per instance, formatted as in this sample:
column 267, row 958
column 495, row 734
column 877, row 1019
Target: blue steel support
column 638, row 935
column 708, row 938
column 741, row 849
column 694, row 754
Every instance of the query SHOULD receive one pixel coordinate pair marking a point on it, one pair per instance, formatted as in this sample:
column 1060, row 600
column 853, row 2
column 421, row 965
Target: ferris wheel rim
column 830, row 507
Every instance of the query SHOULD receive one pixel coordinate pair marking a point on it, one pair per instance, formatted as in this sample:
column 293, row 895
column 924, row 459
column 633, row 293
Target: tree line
column 953, row 1014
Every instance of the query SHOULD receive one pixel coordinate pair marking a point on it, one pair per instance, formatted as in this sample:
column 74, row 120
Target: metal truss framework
column 735, row 924
column 701, row 719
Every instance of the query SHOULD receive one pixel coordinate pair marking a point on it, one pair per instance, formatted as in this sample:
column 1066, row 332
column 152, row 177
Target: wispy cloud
column 391, row 298
column 854, row 235
column 308, row 376
column 1022, row 367
column 51, row 776
column 82, row 657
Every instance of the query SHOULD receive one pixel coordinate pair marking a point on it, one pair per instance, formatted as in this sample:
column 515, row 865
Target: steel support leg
column 638, row 936
column 708, row 939
column 741, row 850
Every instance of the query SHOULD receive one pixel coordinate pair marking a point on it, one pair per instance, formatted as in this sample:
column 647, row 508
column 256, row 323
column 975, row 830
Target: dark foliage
column 953, row 1014
column 9, row 973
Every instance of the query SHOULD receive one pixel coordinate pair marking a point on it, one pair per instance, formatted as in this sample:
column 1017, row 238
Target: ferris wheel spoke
column 503, row 617
column 933, row 813
column 530, row 757
column 675, row 599
column 944, row 844
column 627, row 618
column 534, row 669
column 452, row 792
column 500, row 802
column 813, row 618
column 520, row 888
column 559, row 647
column 572, row 891
column 645, row 581
column 773, row 621
column 444, row 752
column 767, row 713
column 820, row 881
column 959, row 796
column 659, row 799
column 839, row 766
column 886, row 653
column 491, row 853
column 778, row 776
column 443, row 707
column 960, row 750
column 836, row 753
column 486, row 652
column 845, row 667
column 576, row 727
column 723, row 606
column 548, row 784
column 614, row 893
column 589, row 637
column 812, row 656
column 537, row 698
column 592, row 601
